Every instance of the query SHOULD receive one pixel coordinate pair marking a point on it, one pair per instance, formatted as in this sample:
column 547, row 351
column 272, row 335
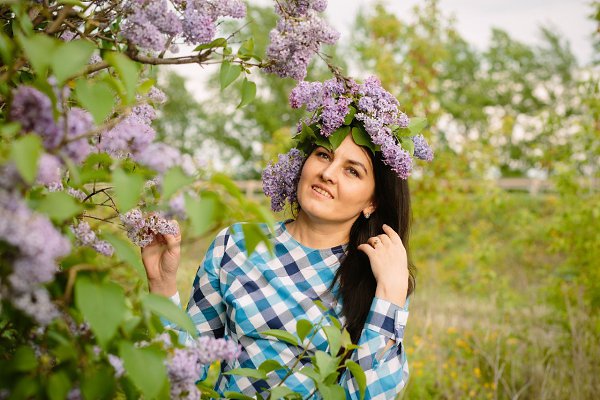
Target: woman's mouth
column 322, row 192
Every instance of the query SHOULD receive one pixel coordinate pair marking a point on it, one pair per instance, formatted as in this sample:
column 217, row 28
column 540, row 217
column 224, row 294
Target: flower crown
column 341, row 107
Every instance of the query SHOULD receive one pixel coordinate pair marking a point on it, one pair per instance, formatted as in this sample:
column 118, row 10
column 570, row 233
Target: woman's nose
column 329, row 174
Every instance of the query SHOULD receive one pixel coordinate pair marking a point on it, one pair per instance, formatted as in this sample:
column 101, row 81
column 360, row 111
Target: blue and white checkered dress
column 237, row 297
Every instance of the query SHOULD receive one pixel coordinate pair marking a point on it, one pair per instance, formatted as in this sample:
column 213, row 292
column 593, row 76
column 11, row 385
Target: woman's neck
column 319, row 234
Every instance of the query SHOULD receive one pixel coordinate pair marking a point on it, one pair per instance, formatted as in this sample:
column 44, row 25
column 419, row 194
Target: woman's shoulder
column 239, row 231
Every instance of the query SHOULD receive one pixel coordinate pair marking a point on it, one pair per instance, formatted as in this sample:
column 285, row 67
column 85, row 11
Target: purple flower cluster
column 280, row 180
column 422, row 149
column 377, row 110
column 151, row 22
column 33, row 110
column 298, row 35
column 143, row 229
column 87, row 237
column 37, row 246
column 184, row 365
column 131, row 136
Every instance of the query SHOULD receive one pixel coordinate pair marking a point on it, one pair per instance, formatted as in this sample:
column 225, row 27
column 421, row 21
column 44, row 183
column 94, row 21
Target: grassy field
column 505, row 299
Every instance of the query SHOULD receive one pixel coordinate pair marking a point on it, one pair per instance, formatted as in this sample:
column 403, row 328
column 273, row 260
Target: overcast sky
column 475, row 18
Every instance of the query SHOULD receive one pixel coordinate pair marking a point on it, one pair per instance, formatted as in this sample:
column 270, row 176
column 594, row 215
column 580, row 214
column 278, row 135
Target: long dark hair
column 355, row 279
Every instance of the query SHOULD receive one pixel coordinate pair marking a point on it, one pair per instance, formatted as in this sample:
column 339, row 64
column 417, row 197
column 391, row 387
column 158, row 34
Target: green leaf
column 303, row 328
column 228, row 73
column 218, row 42
column 128, row 189
column 416, row 125
column 362, row 138
column 246, row 49
column 336, row 322
column 247, row 372
column 359, row 376
column 331, row 392
column 98, row 383
column 271, row 365
column 24, row 359
column 311, row 373
column 59, row 206
column 102, row 304
column 97, row 97
column 326, row 363
column 334, row 337
column 203, row 212
column 408, row 145
column 350, row 116
column 58, row 386
column 281, row 335
column 253, row 235
column 338, row 136
column 207, row 392
column 228, row 184
column 71, row 58
column 174, row 180
column 128, row 72
column 145, row 367
column 214, row 371
column 37, row 49
column 7, row 48
column 280, row 392
column 126, row 252
column 320, row 304
column 346, row 339
column 248, row 93
column 166, row 308
column 237, row 396
column 25, row 153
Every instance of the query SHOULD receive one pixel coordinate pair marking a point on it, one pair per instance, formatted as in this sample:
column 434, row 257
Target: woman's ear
column 369, row 210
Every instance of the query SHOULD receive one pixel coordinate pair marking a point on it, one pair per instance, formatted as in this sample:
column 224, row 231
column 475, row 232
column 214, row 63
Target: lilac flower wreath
column 340, row 107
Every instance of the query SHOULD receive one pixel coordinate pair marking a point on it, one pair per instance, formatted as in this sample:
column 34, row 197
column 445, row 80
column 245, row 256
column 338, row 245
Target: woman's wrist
column 395, row 295
column 165, row 288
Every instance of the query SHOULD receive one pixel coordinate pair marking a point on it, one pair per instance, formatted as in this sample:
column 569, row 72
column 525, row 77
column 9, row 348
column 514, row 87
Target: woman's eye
column 323, row 155
column 353, row 172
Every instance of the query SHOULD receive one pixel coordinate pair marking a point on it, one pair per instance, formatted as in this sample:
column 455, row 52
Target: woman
column 347, row 247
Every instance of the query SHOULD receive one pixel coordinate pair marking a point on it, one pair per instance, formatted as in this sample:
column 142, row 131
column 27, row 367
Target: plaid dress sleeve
column 386, row 372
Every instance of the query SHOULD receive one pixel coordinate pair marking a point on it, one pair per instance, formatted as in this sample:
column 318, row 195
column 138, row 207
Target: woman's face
column 337, row 186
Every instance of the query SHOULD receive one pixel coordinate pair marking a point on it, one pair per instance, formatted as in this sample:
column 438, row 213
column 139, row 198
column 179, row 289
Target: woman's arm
column 381, row 354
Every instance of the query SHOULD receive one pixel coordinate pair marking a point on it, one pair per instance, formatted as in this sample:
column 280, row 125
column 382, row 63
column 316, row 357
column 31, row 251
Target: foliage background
column 507, row 290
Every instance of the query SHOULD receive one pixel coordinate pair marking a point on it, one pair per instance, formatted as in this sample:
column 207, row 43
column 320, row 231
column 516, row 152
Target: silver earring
column 367, row 215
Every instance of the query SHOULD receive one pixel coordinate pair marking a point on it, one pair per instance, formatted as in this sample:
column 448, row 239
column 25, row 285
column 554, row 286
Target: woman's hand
column 161, row 261
column 389, row 264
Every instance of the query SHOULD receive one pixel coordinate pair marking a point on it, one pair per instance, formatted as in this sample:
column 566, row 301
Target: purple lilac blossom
column 103, row 247
column 38, row 245
column 79, row 122
column 49, row 170
column 144, row 112
column 142, row 230
column 76, row 193
column 157, row 96
column 117, row 364
column 33, row 110
column 333, row 114
column 159, row 156
column 422, row 149
column 149, row 23
column 280, row 180
column 130, row 136
column 309, row 94
column 84, row 234
column 200, row 18
column 295, row 40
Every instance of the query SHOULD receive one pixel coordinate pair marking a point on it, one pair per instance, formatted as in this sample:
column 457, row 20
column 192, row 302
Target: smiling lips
column 322, row 191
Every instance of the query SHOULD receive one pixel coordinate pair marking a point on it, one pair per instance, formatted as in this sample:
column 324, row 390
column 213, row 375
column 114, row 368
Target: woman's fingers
column 392, row 234
column 367, row 249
